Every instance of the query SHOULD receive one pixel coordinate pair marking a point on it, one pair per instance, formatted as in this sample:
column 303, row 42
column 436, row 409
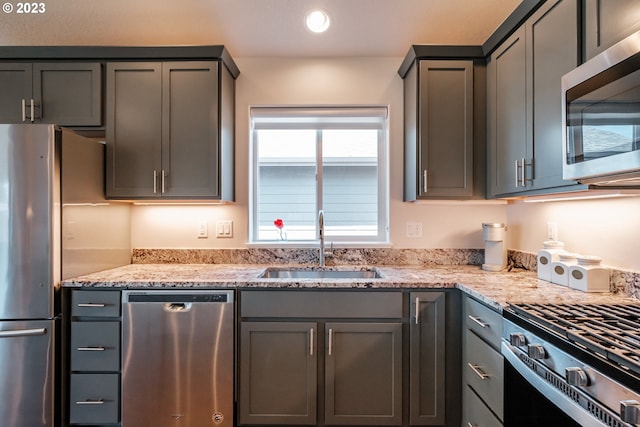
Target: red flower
column 278, row 223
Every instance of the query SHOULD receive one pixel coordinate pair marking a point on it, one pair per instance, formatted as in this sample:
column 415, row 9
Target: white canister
column 588, row 275
column 560, row 268
column 550, row 253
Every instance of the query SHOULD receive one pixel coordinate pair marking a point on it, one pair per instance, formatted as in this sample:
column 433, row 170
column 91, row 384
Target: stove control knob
column 630, row 411
column 517, row 339
column 576, row 377
column 536, row 351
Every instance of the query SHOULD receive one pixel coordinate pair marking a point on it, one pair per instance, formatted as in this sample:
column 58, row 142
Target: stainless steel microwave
column 601, row 117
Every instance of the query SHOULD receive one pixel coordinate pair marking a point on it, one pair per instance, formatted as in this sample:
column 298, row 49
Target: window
column 309, row 159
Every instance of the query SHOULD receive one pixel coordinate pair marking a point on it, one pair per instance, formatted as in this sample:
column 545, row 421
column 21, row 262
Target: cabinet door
column 608, row 22
column 15, row 87
column 552, row 44
column 190, row 150
column 68, row 94
column 134, row 130
column 278, row 373
column 427, row 359
column 446, row 128
column 363, row 371
column 507, row 141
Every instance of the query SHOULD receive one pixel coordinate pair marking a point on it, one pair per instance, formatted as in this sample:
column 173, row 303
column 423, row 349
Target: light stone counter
column 495, row 289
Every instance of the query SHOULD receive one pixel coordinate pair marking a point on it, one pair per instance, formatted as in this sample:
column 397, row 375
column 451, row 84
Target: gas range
column 583, row 358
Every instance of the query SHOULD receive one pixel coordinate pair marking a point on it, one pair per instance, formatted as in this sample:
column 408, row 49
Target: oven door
column 528, row 398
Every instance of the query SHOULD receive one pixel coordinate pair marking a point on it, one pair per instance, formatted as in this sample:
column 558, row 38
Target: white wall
column 609, row 228
column 325, row 81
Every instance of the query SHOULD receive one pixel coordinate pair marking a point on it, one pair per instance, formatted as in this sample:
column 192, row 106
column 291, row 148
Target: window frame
column 319, row 118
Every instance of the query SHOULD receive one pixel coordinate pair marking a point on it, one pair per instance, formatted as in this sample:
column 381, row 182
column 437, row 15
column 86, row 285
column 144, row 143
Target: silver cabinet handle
column 523, row 173
column 92, row 304
column 33, row 111
column 91, row 348
column 476, row 369
column 162, row 181
column 330, row 341
column 517, row 173
column 23, row 333
column 424, row 181
column 311, row 342
column 417, row 310
column 479, row 322
column 155, row 180
column 24, row 110
column 90, row 402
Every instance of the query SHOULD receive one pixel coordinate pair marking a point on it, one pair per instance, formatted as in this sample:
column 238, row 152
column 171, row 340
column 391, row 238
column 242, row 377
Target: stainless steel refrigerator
column 51, row 190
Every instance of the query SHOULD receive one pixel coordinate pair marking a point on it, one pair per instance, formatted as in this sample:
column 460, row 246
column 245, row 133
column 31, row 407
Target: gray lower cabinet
column 278, row 373
column 363, row 367
column 439, row 131
column 428, row 366
column 65, row 93
column 607, row 22
column 94, row 366
column 482, row 365
column 320, row 358
column 169, row 130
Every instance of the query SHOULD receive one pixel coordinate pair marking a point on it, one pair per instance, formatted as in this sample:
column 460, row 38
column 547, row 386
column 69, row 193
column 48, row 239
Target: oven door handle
column 564, row 403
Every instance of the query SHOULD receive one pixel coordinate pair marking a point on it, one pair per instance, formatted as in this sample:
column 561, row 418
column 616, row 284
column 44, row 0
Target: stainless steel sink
column 319, row 273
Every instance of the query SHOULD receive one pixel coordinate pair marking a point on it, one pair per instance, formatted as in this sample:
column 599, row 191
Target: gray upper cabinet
column 507, row 115
column 607, row 22
column 170, row 130
column 65, row 93
column 439, row 130
column 524, row 101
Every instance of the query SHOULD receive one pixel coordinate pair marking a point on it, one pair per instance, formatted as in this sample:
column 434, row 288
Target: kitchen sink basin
column 319, row 273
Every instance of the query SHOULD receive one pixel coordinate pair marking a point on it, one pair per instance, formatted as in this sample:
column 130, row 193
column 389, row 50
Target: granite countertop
column 497, row 289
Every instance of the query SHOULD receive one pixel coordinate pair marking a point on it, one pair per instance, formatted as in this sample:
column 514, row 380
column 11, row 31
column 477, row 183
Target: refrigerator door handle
column 23, row 333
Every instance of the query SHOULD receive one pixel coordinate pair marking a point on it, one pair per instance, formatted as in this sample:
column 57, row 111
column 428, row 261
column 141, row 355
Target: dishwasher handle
column 177, row 307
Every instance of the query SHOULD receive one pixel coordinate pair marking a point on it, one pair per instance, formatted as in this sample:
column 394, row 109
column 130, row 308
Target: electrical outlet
column 414, row 229
column 552, row 231
column 224, row 229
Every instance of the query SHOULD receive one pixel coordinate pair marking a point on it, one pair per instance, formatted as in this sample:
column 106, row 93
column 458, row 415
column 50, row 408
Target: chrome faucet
column 323, row 252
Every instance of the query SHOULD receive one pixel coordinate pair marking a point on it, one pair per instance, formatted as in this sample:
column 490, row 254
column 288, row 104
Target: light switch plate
column 224, row 229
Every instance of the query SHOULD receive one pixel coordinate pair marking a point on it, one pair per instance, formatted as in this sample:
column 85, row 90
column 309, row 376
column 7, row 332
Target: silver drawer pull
column 91, row 348
column 479, row 322
column 92, row 304
column 23, row 333
column 472, row 425
column 476, row 369
column 91, row 402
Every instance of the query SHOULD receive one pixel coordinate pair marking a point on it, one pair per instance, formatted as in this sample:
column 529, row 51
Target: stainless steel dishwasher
column 177, row 358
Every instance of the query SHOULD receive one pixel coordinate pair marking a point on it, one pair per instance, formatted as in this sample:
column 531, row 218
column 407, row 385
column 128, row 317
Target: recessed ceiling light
column 318, row 21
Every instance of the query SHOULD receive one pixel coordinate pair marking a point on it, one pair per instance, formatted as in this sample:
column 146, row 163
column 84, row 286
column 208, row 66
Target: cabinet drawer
column 321, row 304
column 95, row 303
column 95, row 346
column 482, row 320
column 476, row 413
column 93, row 399
column 483, row 371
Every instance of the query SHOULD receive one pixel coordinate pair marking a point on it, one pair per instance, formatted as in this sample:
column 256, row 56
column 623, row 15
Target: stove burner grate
column 611, row 331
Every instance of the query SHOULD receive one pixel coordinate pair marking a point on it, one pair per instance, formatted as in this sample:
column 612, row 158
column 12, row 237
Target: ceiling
column 250, row 28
